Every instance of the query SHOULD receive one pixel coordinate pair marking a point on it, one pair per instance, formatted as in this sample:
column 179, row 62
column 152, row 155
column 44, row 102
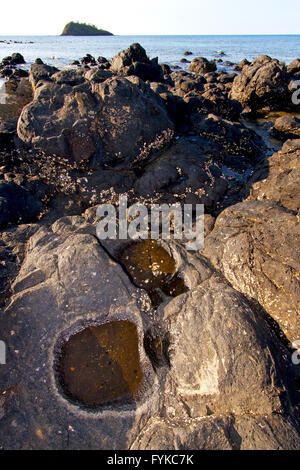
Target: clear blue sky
column 153, row 16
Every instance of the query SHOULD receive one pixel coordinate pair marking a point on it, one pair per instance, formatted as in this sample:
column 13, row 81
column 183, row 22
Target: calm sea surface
column 60, row 51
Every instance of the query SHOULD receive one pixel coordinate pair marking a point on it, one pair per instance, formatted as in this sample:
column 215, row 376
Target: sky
column 138, row 17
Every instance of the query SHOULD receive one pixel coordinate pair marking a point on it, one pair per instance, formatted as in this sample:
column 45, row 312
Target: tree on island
column 83, row 29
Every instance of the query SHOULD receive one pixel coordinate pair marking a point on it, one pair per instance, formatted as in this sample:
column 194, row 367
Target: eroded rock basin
column 153, row 269
column 100, row 365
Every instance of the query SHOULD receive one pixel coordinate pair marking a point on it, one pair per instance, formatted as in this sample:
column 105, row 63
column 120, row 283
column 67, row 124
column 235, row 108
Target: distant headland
column 83, row 29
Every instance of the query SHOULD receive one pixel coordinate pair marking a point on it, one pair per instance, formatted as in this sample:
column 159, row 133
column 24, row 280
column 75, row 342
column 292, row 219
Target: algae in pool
column 153, row 269
column 100, row 365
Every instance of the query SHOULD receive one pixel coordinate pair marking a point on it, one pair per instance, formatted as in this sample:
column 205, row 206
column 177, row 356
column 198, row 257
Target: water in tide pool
column 61, row 51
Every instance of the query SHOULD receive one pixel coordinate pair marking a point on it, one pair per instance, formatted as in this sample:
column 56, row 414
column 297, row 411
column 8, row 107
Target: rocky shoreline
column 213, row 330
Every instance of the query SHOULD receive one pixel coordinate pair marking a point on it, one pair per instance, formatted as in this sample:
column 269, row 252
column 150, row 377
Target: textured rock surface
column 277, row 177
column 201, row 65
column 286, row 127
column 201, row 400
column 134, row 61
column 256, row 246
column 110, row 121
column 261, row 84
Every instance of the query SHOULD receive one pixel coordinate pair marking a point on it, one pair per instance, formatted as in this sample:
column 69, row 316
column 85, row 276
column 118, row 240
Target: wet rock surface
column 142, row 344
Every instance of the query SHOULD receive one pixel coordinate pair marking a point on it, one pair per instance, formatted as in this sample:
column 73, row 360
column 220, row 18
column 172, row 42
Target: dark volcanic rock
column 294, row 68
column 41, row 72
column 277, row 177
column 256, row 246
column 17, row 204
column 184, row 174
column 262, row 84
column 111, row 121
column 286, row 127
column 89, row 60
column 201, row 395
column 134, row 61
column 233, row 136
column 200, row 65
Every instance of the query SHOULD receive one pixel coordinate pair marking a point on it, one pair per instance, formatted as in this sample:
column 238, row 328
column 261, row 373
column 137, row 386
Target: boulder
column 184, row 174
column 286, row 127
column 194, row 358
column 234, row 137
column 201, row 66
column 134, row 61
column 12, row 253
column 294, row 68
column 17, row 204
column 262, row 84
column 110, row 121
column 66, row 286
column 41, row 72
column 255, row 244
column 277, row 177
column 88, row 60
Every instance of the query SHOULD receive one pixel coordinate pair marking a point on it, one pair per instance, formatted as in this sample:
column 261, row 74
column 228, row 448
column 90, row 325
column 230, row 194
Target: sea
column 62, row 50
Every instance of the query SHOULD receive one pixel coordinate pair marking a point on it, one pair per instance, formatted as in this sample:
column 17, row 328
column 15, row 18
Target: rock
column 116, row 118
column 166, row 69
column 134, row 61
column 294, row 67
column 17, row 204
column 209, row 373
column 185, row 61
column 187, row 53
column 41, row 72
column 89, row 60
column 20, row 73
column 194, row 365
column 6, row 72
column 234, row 137
column 224, row 77
column 262, row 84
column 38, row 61
column 102, row 60
column 14, row 59
column 286, row 127
column 201, row 66
column 277, row 177
column 220, row 433
column 183, row 174
column 75, row 62
column 69, row 77
column 106, row 297
column 255, row 245
column 12, row 252
column 8, row 130
column 18, row 58
column 243, row 63
column 211, row 101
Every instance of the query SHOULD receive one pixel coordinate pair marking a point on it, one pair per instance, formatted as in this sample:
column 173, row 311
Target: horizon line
column 95, row 36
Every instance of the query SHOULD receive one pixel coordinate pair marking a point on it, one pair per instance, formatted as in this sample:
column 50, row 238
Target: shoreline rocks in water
column 206, row 336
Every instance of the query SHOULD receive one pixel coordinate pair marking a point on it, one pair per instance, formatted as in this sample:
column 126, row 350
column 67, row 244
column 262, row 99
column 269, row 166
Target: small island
column 83, row 29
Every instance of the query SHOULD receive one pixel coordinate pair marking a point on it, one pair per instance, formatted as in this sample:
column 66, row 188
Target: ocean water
column 62, row 50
